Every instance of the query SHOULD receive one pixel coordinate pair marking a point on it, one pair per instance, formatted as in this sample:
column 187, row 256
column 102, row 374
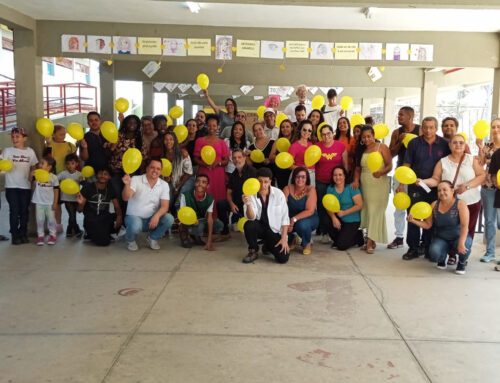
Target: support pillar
column 495, row 107
column 389, row 109
column 188, row 110
column 29, row 85
column 107, row 85
column 366, row 104
column 428, row 97
column 147, row 98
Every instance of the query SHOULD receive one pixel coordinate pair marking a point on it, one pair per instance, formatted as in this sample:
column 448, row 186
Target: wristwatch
column 467, row 187
column 294, row 220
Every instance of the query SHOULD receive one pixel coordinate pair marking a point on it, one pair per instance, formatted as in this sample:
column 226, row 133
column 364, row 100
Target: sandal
column 3, row 238
column 497, row 268
column 452, row 260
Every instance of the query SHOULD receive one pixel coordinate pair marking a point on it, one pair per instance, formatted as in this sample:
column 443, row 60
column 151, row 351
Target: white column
column 428, row 97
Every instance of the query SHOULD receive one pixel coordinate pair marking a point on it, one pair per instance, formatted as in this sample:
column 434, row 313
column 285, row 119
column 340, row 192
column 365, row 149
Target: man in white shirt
column 332, row 112
column 147, row 210
column 267, row 213
column 301, row 95
column 270, row 128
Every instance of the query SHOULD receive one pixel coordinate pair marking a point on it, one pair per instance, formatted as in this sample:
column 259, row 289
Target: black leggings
column 71, row 209
column 348, row 236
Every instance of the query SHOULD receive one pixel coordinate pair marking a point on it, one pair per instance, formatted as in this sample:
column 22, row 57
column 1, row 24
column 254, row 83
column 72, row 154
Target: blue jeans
column 304, row 228
column 202, row 223
column 136, row 225
column 440, row 247
column 491, row 216
column 19, row 203
column 320, row 192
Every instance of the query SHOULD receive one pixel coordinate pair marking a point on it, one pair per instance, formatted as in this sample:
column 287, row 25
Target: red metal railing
column 58, row 99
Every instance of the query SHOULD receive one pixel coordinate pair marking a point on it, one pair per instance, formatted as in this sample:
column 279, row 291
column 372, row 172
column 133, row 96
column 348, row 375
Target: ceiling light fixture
column 193, row 7
column 368, row 12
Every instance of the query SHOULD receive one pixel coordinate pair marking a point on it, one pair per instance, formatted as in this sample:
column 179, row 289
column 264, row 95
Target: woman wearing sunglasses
column 299, row 147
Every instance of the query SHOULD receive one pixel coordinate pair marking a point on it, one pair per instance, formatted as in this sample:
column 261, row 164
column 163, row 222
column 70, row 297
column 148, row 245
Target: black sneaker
column 69, row 233
column 398, row 242
column 411, row 254
column 24, row 239
column 265, row 250
column 460, row 268
column 251, row 256
column 442, row 265
column 86, row 237
column 16, row 241
column 79, row 233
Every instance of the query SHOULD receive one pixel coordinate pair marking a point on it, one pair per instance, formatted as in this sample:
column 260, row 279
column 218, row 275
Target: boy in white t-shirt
column 332, row 112
column 45, row 199
column 18, row 185
column 70, row 201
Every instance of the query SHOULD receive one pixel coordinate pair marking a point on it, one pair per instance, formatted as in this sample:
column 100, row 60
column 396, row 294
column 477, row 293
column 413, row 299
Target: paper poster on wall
column 321, row 51
column 297, row 49
column 271, row 49
column 223, row 47
column 174, row 47
column 281, row 91
column 245, row 89
column 199, row 47
column 184, row 87
column 370, row 51
column 422, row 52
column 196, row 88
column 151, row 68
column 159, row 86
column 397, row 51
column 312, row 89
column 346, row 51
column 374, row 74
column 247, row 48
column 149, row 45
column 73, row 43
column 170, row 86
column 124, row 45
column 98, row 44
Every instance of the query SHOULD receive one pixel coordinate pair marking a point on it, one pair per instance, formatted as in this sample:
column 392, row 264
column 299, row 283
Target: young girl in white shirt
column 45, row 199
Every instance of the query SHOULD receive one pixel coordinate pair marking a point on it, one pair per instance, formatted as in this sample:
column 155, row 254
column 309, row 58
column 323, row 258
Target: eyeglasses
column 307, row 130
column 301, row 176
column 458, row 143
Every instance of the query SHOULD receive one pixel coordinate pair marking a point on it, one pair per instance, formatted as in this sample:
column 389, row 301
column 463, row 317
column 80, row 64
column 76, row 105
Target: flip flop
column 3, row 238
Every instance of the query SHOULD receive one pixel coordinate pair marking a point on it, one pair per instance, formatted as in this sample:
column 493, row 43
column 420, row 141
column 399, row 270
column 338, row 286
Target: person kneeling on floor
column 94, row 200
column 203, row 204
column 147, row 210
column 267, row 213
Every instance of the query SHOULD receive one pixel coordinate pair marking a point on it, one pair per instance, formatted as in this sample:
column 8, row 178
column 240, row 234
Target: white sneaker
column 325, row 238
column 153, row 244
column 234, row 227
column 132, row 246
column 122, row 232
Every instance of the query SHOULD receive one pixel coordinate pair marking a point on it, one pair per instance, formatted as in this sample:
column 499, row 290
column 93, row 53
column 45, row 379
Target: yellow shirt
column 59, row 152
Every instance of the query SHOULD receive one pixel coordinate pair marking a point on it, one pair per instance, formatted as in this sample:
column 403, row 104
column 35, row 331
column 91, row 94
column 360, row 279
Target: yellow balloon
column 87, row 171
column 187, row 215
column 357, row 119
column 76, row 131
column 317, row 102
column 312, row 155
column 169, row 120
column 109, row 131
column 203, row 81
column 280, row 118
column 345, row 102
column 318, row 132
column 482, row 129
column 381, row 131
column 421, row 210
column 405, row 175
column 283, row 144
column 166, row 170
column 375, row 161
column 331, row 203
column 257, row 156
column 241, row 223
column 42, row 175
column 45, row 127
column 401, row 201
column 464, row 136
column 408, row 138
column 175, row 112
column 251, row 186
column 5, row 165
column 69, row 186
column 121, row 105
column 260, row 112
column 181, row 132
column 208, row 154
column 284, row 160
column 498, row 178
column 131, row 160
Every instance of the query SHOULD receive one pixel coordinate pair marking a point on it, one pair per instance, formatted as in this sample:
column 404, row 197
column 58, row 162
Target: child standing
column 17, row 184
column 45, row 199
column 58, row 148
column 70, row 200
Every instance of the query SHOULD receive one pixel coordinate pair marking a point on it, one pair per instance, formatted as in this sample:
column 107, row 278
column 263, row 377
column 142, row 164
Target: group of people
column 288, row 208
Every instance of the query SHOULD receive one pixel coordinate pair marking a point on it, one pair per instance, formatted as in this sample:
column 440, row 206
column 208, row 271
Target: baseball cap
column 267, row 110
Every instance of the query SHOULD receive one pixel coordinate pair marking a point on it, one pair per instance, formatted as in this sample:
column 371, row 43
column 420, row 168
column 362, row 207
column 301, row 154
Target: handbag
column 456, row 174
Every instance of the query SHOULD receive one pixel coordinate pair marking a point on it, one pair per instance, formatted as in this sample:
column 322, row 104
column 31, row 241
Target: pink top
column 330, row 157
column 297, row 151
column 221, row 149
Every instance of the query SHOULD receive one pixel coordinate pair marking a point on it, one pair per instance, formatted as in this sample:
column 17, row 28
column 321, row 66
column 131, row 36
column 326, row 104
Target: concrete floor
column 77, row 313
